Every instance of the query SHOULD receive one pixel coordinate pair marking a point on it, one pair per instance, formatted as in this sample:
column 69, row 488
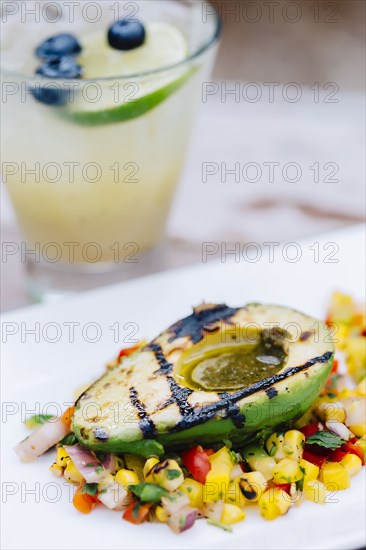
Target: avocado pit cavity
column 236, row 365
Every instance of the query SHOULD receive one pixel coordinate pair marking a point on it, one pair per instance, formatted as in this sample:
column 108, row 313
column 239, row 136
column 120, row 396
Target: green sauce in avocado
column 238, row 365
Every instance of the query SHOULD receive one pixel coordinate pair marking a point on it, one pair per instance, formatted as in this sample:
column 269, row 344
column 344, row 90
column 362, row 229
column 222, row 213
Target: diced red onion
column 182, row 520
column 87, row 464
column 339, row 429
column 213, row 510
column 42, row 439
column 175, row 502
column 115, row 497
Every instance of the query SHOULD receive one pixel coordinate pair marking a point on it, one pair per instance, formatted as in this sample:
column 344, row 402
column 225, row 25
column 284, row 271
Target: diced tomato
column 66, row 418
column 197, row 462
column 137, row 512
column 309, row 430
column 84, row 502
column 354, row 450
column 337, row 455
column 125, row 352
column 314, row 458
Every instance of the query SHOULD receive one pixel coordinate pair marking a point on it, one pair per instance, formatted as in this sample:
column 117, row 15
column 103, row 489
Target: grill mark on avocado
column 210, row 411
column 165, row 366
column 195, row 325
column 233, row 411
column 271, row 392
column 179, row 396
column 146, row 425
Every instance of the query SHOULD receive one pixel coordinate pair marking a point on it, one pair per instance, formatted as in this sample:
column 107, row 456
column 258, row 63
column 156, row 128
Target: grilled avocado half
column 220, row 373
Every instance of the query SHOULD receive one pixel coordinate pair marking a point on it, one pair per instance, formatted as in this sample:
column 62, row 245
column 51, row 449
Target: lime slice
column 122, row 100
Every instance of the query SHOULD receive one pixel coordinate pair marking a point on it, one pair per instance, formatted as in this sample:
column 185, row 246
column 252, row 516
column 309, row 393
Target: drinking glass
column 92, row 177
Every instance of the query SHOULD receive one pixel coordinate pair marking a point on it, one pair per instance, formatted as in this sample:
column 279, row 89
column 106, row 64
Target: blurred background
column 278, row 150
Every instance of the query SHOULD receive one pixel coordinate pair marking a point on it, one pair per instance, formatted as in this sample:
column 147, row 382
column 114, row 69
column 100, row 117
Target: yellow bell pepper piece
column 352, row 463
column 274, row 503
column 287, row 471
column 315, row 491
column 310, row 471
column 231, row 514
column 72, row 474
column 218, row 478
column 293, row 444
column 62, row 457
column 194, row 490
column 126, row 477
column 334, row 476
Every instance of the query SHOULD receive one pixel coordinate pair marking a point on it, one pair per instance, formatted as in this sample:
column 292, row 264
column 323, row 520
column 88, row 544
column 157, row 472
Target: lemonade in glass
column 97, row 113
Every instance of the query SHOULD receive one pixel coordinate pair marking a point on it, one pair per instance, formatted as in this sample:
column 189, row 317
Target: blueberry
column 58, row 46
column 126, row 35
column 60, row 67
column 51, row 94
column 55, row 68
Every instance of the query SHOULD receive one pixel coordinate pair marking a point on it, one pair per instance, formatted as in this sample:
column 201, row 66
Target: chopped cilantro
column 220, row 525
column 148, row 492
column 90, row 488
column 69, row 439
column 172, row 474
column 327, row 439
column 99, row 469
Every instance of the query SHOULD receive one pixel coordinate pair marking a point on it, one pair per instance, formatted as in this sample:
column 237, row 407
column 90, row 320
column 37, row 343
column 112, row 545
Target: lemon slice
column 119, row 100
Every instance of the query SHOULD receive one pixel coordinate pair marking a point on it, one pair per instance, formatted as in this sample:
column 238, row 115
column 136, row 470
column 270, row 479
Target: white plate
column 36, row 512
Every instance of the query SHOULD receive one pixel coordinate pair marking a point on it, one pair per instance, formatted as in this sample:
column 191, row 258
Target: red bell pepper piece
column 353, row 449
column 309, row 430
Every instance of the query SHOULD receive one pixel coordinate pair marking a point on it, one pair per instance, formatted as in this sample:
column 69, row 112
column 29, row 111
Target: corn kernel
column 274, row 503
column 361, row 387
column 274, row 446
column 359, row 430
column 168, row 474
column 259, row 461
column 315, row 491
column 56, row 470
column 293, row 444
column 126, row 477
column 161, row 514
column 234, row 495
column 194, row 490
column 287, row 471
column 352, row 463
column 231, row 514
column 147, row 470
column 252, row 486
column 62, row 457
column 72, row 474
column 310, row 471
column 334, row 476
